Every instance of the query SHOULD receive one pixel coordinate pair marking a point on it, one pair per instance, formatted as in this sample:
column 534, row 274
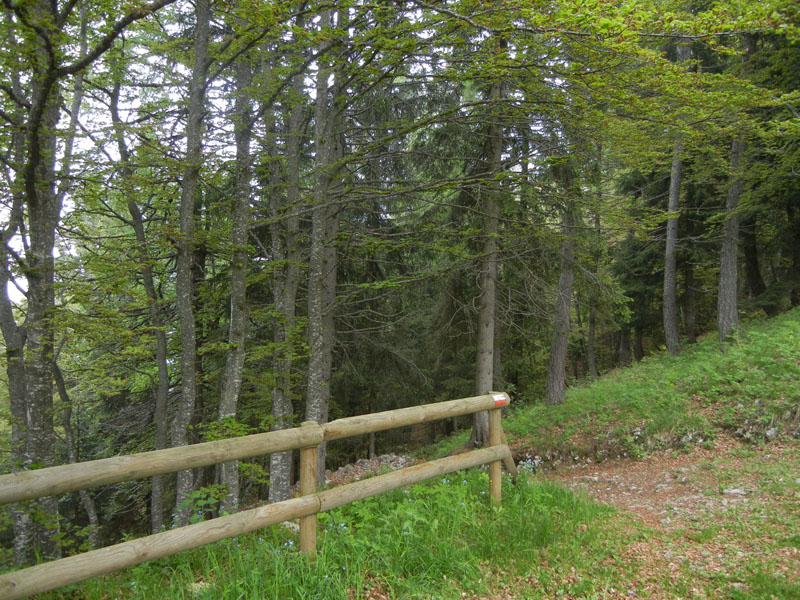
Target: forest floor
column 707, row 521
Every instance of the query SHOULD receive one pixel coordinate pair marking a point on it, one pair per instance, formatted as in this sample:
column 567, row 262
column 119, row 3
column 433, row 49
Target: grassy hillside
column 444, row 540
column 750, row 390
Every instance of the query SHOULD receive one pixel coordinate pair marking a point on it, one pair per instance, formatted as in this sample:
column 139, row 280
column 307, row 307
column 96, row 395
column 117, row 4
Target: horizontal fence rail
column 28, row 485
column 57, row 480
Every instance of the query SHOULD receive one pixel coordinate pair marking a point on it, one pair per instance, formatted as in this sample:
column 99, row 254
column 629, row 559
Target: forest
column 222, row 218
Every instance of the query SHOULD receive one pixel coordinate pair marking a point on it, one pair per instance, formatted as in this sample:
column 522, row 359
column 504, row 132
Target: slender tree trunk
column 44, row 213
column 14, row 337
column 285, row 229
column 670, row 255
column 322, row 260
column 487, row 302
column 234, row 361
column 487, row 278
column 487, row 283
column 727, row 300
column 556, row 388
column 285, row 246
column 184, row 282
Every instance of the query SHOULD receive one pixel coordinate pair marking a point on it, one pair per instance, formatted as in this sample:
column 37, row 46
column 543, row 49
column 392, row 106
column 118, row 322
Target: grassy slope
column 443, row 539
column 670, row 401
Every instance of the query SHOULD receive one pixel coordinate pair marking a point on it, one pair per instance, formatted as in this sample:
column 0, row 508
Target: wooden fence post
column 495, row 468
column 308, row 485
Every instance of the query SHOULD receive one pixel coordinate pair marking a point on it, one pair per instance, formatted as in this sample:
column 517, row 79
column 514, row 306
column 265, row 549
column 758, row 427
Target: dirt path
column 712, row 514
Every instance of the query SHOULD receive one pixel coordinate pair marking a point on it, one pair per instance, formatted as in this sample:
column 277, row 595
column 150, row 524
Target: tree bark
column 671, row 333
column 234, row 361
column 285, row 230
column 322, row 260
column 556, row 387
column 185, row 262
column 727, row 300
column 670, row 255
column 487, row 280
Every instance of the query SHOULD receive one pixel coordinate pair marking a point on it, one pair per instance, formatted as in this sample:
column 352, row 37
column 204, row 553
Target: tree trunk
column 234, row 361
column 556, row 388
column 185, row 262
column 14, row 337
column 322, row 260
column 670, row 254
column 487, row 281
column 285, row 230
column 727, row 300
column 44, row 212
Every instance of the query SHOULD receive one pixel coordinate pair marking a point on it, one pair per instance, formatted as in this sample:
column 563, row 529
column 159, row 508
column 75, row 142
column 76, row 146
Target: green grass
column 751, row 387
column 436, row 540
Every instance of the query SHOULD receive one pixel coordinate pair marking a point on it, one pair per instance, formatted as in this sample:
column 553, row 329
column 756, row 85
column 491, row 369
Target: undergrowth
column 441, row 539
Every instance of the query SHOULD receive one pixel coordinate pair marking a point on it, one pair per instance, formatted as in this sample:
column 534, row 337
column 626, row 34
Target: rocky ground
column 366, row 467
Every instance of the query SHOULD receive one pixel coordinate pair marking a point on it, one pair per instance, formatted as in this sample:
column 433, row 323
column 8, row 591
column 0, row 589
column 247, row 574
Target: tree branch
column 104, row 44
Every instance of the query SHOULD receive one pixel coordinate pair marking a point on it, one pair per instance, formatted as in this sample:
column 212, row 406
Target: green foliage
column 225, row 428
column 205, row 501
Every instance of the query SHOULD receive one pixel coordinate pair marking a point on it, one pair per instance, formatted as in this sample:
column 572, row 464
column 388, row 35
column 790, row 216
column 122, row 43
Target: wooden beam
column 308, row 485
column 495, row 468
column 350, row 426
column 27, row 485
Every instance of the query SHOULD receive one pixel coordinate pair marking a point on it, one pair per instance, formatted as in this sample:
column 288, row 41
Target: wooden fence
column 28, row 485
